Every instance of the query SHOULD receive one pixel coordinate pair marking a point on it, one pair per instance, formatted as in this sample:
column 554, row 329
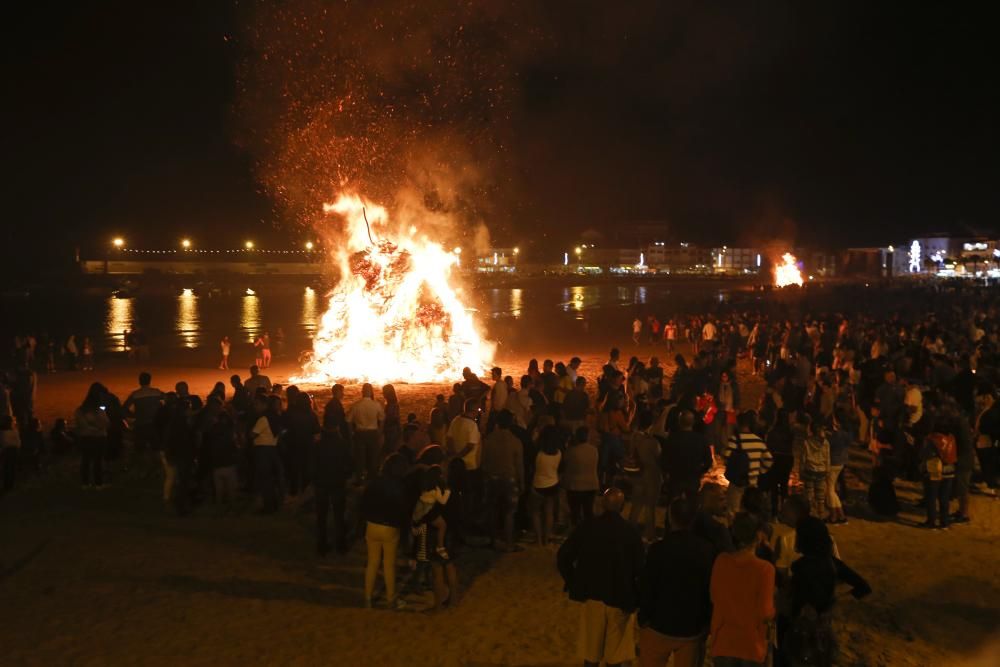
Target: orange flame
column 394, row 316
column 787, row 273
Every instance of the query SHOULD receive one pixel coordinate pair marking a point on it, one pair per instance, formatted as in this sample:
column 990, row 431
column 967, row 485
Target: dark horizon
column 845, row 125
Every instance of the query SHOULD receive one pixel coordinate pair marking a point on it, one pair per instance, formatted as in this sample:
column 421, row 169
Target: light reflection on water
column 187, row 319
column 250, row 317
column 310, row 317
column 193, row 319
column 119, row 319
column 516, row 302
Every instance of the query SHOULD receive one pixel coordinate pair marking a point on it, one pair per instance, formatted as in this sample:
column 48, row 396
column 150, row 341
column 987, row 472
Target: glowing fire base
column 394, row 316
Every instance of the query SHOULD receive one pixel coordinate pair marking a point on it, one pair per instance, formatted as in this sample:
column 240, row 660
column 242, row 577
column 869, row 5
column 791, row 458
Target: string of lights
column 186, row 247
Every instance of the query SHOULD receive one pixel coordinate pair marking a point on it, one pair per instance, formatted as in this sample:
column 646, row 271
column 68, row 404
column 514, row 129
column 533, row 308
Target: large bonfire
column 395, row 315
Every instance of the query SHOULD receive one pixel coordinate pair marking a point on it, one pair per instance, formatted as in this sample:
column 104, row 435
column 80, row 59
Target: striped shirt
column 757, row 452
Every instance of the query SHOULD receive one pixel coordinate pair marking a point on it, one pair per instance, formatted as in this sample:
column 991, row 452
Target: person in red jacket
column 742, row 592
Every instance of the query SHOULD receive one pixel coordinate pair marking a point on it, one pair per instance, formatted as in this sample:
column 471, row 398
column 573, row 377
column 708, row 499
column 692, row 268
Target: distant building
column 678, row 257
column 736, row 260
column 497, row 260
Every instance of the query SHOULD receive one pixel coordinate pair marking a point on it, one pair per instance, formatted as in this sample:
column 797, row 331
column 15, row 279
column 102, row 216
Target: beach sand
column 111, row 577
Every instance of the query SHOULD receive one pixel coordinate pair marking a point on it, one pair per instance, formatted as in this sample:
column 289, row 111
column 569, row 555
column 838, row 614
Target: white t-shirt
column 225, row 347
column 366, row 415
column 498, row 396
column 547, row 470
column 708, row 331
column 637, row 326
column 262, row 429
column 464, row 431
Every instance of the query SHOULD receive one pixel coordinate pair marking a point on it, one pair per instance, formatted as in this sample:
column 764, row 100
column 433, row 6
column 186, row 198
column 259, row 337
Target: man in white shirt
column 636, row 330
column 464, row 437
column 366, row 417
column 464, row 442
column 573, row 369
column 498, row 397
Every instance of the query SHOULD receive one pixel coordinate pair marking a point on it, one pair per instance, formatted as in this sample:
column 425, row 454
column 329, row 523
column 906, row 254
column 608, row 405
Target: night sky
column 850, row 123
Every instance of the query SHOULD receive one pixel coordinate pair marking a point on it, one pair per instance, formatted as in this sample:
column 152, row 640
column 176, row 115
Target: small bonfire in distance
column 787, row 272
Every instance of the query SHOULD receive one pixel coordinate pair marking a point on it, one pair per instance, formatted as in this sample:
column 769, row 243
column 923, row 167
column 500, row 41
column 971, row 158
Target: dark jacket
column 602, row 560
column 333, row 464
column 685, row 456
column 674, row 597
column 335, row 419
column 814, row 579
column 716, row 533
column 220, row 441
column 384, row 502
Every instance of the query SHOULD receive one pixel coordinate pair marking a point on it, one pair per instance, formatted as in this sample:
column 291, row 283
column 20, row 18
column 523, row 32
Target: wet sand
column 110, row 577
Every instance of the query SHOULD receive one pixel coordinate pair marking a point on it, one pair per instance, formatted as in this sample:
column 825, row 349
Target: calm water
column 195, row 319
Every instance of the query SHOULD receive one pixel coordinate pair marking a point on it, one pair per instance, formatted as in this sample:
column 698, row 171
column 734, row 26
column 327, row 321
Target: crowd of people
column 745, row 555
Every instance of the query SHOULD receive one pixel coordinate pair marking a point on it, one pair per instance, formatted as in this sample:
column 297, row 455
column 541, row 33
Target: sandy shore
column 98, row 578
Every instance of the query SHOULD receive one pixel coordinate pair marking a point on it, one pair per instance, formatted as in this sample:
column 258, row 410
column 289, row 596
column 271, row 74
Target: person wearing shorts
column 600, row 563
column 546, row 481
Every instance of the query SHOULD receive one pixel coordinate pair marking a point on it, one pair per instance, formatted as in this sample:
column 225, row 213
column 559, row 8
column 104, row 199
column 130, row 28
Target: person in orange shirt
column 742, row 592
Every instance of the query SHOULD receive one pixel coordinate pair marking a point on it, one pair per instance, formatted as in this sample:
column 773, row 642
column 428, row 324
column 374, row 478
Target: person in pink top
column 742, row 592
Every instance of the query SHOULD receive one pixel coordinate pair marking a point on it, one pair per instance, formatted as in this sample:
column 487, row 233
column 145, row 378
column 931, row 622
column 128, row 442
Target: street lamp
column 309, row 245
column 578, row 251
column 517, row 251
column 248, row 245
column 186, row 243
column 118, row 242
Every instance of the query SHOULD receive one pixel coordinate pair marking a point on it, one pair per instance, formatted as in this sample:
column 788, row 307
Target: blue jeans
column 937, row 496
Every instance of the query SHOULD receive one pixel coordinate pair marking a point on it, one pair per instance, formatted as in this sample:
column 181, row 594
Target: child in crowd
column 10, row 444
column 427, row 512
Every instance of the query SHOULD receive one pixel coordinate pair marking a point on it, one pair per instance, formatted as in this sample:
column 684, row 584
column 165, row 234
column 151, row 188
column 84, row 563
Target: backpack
column 946, row 448
column 814, row 455
column 738, row 464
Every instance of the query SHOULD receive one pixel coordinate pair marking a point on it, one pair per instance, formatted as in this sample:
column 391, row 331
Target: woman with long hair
column 437, row 430
column 92, row 436
column 392, row 428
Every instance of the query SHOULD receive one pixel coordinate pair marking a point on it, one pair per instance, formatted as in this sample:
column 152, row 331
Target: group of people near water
column 744, row 565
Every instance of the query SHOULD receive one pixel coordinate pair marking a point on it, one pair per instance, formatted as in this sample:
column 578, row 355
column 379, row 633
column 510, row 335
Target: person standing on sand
column 636, row 330
column 257, row 381
column 334, row 415
column 384, row 509
column 224, row 347
column 498, row 397
column 367, row 416
column 92, row 436
column 333, row 467
column 503, row 466
column 263, row 347
column 579, row 476
column 742, row 590
column 600, row 564
column 392, row 424
column 675, row 605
